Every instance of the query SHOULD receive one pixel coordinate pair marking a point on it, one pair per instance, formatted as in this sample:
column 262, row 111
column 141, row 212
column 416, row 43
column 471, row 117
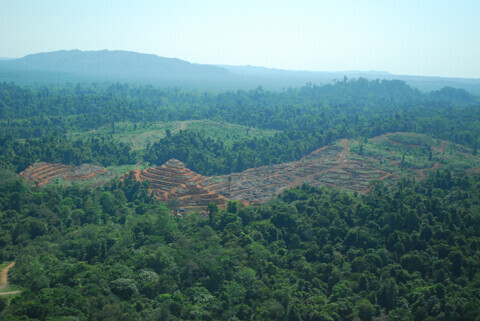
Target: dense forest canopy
column 114, row 252
column 308, row 118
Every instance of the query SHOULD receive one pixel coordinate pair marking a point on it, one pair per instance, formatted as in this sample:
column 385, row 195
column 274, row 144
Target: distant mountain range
column 123, row 66
column 76, row 65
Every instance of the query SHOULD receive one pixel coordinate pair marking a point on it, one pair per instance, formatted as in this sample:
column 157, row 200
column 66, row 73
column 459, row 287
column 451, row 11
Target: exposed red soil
column 4, row 280
column 331, row 166
column 421, row 172
column 328, row 166
column 4, row 276
column 174, row 181
column 44, row 173
column 441, row 149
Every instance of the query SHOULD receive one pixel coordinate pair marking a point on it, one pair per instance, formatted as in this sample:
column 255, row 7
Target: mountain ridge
column 128, row 66
column 114, row 62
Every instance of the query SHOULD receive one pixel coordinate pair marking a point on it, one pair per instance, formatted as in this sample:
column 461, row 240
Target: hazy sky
column 416, row 37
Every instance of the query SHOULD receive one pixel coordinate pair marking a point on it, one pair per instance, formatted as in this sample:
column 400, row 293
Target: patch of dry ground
column 4, row 280
column 330, row 166
column 42, row 173
column 173, row 181
column 421, row 172
column 333, row 166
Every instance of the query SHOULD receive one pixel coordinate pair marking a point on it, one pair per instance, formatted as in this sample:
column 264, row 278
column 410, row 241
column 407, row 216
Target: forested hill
column 36, row 122
column 114, row 252
column 411, row 252
column 61, row 67
column 75, row 65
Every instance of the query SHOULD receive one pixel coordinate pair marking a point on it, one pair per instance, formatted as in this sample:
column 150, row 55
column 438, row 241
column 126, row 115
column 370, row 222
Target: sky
column 406, row 37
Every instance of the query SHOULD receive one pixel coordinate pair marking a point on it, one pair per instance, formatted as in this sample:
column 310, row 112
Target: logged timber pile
column 173, row 181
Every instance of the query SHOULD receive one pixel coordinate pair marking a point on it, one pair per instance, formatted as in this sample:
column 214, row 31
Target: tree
column 173, row 205
column 124, row 288
column 232, row 206
column 366, row 311
column 3, row 303
column 388, row 294
column 212, row 211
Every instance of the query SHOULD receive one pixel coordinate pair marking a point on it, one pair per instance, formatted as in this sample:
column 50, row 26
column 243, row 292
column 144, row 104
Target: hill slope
column 107, row 65
column 125, row 66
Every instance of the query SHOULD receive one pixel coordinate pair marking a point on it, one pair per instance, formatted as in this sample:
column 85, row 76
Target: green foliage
column 406, row 253
column 410, row 252
column 3, row 303
column 123, row 288
column 207, row 156
column 17, row 155
column 37, row 124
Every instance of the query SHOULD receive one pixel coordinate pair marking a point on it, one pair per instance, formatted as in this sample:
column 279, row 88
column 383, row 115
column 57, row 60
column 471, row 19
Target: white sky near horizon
column 408, row 37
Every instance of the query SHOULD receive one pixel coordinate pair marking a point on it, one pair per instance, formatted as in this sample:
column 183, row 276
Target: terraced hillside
column 348, row 164
column 332, row 166
column 173, row 181
column 42, row 173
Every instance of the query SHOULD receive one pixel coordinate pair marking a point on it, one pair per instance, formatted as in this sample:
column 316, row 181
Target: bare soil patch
column 42, row 173
column 421, row 172
column 4, row 280
column 173, row 181
column 330, row 166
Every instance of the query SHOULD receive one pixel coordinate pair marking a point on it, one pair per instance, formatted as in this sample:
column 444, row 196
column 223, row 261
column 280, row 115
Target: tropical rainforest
column 410, row 251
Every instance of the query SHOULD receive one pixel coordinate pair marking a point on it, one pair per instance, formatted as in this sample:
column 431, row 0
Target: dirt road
column 4, row 280
column 421, row 172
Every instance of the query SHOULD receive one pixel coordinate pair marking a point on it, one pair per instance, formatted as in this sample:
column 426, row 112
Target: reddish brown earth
column 4, row 280
column 328, row 166
column 332, row 166
column 43, row 173
column 4, row 276
column 421, row 172
column 173, row 181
